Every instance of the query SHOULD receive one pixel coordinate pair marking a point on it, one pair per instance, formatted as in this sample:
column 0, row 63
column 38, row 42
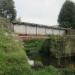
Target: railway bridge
column 28, row 31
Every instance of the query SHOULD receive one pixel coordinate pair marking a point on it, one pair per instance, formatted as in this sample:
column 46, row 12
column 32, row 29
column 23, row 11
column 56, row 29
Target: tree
column 7, row 9
column 46, row 54
column 66, row 17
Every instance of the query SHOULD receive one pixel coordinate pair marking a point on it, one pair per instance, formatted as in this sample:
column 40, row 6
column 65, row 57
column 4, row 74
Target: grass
column 13, row 59
column 50, row 70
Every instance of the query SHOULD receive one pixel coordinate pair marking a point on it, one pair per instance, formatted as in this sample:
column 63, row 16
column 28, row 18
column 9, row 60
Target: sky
column 39, row 11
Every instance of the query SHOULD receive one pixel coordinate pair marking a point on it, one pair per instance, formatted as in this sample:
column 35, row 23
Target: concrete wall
column 19, row 29
column 49, row 31
column 41, row 31
column 56, row 32
column 36, row 30
column 31, row 30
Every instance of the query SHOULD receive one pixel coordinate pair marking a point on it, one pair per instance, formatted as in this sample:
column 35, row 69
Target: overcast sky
column 39, row 11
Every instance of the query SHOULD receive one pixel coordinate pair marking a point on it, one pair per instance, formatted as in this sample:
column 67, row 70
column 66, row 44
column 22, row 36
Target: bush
column 32, row 48
column 47, row 71
column 68, row 72
column 13, row 59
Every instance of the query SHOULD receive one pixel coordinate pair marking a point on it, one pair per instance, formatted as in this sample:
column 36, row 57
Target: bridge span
column 32, row 31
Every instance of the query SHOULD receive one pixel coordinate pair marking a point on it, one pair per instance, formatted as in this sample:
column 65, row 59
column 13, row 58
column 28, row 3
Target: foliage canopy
column 7, row 9
column 66, row 17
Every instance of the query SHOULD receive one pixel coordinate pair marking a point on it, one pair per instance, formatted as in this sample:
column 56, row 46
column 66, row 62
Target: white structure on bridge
column 25, row 29
column 36, row 29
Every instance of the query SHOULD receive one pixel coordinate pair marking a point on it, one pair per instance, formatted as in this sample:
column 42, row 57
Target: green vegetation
column 13, row 59
column 47, row 71
column 50, row 70
column 7, row 9
column 52, row 51
column 66, row 17
column 32, row 48
column 4, row 23
column 68, row 72
column 47, row 53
